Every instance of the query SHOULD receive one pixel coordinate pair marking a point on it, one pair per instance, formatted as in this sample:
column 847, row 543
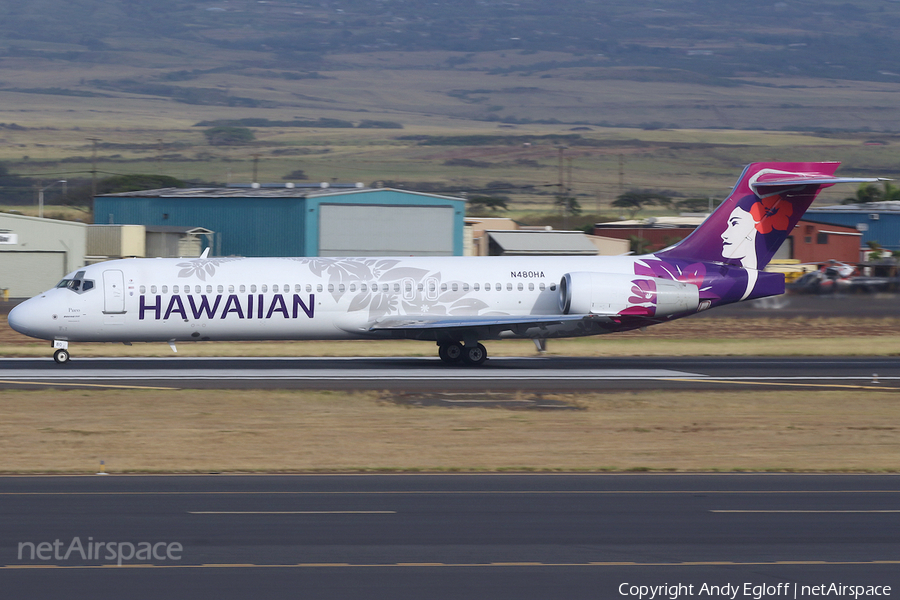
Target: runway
column 444, row 536
column 423, row 374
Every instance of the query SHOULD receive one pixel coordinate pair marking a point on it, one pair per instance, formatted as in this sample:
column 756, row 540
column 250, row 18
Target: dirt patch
column 499, row 400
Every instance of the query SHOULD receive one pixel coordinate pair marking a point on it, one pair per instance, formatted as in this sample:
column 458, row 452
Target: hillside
column 342, row 89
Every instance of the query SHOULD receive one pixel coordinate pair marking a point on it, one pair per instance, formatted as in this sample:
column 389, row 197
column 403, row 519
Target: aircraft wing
column 489, row 324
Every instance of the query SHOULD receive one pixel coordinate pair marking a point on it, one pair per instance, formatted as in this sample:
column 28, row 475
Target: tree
column 870, row 192
column 297, row 175
column 569, row 204
column 492, row 203
column 634, row 201
column 229, row 136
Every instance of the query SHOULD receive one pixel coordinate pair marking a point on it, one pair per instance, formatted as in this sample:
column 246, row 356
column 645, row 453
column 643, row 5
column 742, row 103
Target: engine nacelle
column 619, row 294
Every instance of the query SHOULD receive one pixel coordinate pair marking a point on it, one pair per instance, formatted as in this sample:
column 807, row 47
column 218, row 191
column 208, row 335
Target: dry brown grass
column 302, row 431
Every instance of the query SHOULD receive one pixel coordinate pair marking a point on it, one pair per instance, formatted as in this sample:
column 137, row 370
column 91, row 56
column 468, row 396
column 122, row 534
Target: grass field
column 146, row 430
column 302, row 431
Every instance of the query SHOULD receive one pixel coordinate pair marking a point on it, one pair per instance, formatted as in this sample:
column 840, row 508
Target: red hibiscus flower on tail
column 772, row 213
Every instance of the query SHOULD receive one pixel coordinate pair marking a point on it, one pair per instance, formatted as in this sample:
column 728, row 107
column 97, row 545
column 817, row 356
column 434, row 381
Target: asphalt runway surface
column 444, row 536
column 429, row 374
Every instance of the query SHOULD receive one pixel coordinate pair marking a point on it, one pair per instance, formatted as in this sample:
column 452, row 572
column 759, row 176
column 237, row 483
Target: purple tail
column 765, row 205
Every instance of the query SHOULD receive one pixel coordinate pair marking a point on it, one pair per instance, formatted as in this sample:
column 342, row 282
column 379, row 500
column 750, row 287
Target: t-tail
column 751, row 224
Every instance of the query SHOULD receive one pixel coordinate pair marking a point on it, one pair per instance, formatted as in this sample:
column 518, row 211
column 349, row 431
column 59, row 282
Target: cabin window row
column 353, row 287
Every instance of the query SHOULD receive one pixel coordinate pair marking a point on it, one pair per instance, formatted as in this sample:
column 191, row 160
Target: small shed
column 178, row 242
column 539, row 243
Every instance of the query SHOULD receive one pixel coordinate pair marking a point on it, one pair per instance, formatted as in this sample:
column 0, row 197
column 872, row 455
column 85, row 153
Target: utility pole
column 41, row 195
column 93, row 172
column 564, row 200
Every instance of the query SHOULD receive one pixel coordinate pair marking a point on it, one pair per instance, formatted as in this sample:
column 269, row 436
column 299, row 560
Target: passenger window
column 308, row 287
column 341, row 288
column 363, row 287
column 487, row 287
column 298, row 288
column 174, row 289
column 209, row 289
column 553, row 287
column 220, row 289
column 152, row 289
column 475, row 287
column 454, row 287
column 275, row 288
column 352, row 287
column 143, row 289
column 543, row 287
column 165, row 289
column 230, row 289
column 530, row 287
column 330, row 287
column 509, row 287
column 264, row 288
column 319, row 288
column 243, row 288
column 253, row 289
column 396, row 287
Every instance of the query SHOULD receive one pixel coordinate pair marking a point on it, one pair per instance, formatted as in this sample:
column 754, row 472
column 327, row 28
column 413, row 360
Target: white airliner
column 455, row 301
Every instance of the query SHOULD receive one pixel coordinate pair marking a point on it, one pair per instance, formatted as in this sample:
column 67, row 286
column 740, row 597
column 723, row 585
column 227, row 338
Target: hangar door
column 27, row 274
column 385, row 230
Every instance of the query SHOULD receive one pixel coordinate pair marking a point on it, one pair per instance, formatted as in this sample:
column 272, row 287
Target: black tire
column 451, row 352
column 474, row 355
column 61, row 356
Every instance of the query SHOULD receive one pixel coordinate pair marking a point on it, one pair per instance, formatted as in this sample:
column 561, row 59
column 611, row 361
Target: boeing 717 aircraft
column 457, row 302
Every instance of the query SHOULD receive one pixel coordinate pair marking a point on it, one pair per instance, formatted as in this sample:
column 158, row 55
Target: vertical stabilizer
column 762, row 209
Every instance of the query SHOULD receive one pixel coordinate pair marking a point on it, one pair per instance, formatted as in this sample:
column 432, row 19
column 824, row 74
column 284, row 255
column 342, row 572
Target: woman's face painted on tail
column 739, row 238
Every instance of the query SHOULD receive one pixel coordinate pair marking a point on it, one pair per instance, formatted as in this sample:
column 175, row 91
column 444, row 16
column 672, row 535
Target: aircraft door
column 113, row 292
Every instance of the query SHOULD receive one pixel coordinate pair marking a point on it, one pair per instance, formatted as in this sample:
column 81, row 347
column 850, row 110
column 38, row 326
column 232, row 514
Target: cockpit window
column 77, row 284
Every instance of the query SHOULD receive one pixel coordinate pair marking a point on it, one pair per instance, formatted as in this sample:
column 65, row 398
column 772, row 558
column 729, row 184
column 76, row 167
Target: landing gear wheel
column 474, row 355
column 61, row 356
column 451, row 352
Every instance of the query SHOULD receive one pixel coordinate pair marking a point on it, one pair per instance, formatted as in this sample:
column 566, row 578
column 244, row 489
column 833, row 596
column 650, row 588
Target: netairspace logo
column 752, row 590
column 98, row 551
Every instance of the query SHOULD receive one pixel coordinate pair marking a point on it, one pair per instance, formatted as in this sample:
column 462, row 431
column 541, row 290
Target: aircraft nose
column 27, row 318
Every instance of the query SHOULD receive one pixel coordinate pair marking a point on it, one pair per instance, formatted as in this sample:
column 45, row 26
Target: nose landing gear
column 454, row 352
column 61, row 356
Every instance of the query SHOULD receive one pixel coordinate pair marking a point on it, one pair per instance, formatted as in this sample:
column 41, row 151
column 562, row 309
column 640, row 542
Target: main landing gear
column 470, row 354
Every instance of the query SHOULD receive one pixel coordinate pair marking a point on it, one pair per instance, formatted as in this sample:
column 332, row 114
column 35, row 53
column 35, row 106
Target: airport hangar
column 299, row 219
column 35, row 253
